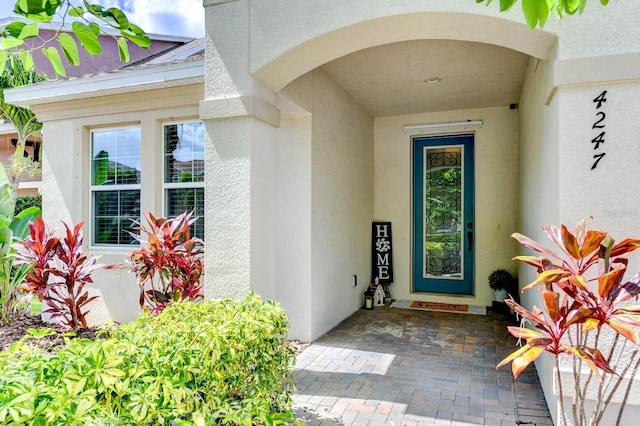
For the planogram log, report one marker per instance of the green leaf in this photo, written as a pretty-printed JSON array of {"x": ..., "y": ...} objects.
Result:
[
  {"x": 136, "y": 35},
  {"x": 76, "y": 12},
  {"x": 94, "y": 9},
  {"x": 87, "y": 37},
  {"x": 123, "y": 49},
  {"x": 70, "y": 48},
  {"x": 95, "y": 28},
  {"x": 571, "y": 6},
  {"x": 13, "y": 29},
  {"x": 6, "y": 202},
  {"x": 10, "y": 43},
  {"x": 116, "y": 18},
  {"x": 6, "y": 239},
  {"x": 27, "y": 59},
  {"x": 506, "y": 5},
  {"x": 29, "y": 31},
  {"x": 3, "y": 58},
  {"x": 20, "y": 223},
  {"x": 536, "y": 11},
  {"x": 38, "y": 10},
  {"x": 54, "y": 58}
]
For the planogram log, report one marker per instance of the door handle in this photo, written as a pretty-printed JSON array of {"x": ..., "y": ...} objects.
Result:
[{"x": 470, "y": 235}]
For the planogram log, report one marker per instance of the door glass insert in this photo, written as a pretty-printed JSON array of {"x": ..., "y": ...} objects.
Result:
[{"x": 443, "y": 207}]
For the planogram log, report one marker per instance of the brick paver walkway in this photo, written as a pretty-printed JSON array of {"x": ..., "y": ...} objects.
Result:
[{"x": 404, "y": 367}]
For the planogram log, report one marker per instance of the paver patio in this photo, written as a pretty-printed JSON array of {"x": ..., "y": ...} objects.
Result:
[{"x": 397, "y": 367}]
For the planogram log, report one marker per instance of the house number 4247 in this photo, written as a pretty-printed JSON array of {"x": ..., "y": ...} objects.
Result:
[{"x": 598, "y": 126}]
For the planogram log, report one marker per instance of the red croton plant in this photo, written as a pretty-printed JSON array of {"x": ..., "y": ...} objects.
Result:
[
  {"x": 60, "y": 272},
  {"x": 584, "y": 297},
  {"x": 168, "y": 265}
]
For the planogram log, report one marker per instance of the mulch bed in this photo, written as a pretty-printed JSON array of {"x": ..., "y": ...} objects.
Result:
[{"x": 14, "y": 330}]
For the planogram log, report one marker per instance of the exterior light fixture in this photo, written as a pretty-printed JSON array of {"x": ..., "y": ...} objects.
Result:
[
  {"x": 368, "y": 299},
  {"x": 458, "y": 125}
]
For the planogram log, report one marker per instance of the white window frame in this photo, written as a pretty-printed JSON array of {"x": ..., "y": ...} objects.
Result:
[{"x": 94, "y": 189}]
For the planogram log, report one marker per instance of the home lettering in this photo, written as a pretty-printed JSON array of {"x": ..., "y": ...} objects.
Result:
[{"x": 381, "y": 250}]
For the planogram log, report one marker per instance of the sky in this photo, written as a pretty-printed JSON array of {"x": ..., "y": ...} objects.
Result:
[{"x": 173, "y": 17}]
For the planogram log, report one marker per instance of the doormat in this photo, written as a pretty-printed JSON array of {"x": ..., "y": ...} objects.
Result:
[{"x": 441, "y": 307}]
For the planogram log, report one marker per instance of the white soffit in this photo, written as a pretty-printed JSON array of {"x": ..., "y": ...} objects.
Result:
[{"x": 117, "y": 82}]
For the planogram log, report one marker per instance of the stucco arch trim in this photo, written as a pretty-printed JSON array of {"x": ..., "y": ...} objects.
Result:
[{"x": 416, "y": 26}]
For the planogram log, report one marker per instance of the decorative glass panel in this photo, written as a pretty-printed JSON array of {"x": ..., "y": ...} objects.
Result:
[{"x": 443, "y": 211}]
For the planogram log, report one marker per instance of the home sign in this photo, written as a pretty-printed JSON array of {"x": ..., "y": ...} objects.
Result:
[{"x": 381, "y": 252}]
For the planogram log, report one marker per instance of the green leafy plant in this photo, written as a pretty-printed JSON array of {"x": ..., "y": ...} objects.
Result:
[
  {"x": 223, "y": 362},
  {"x": 168, "y": 266},
  {"x": 15, "y": 73},
  {"x": 501, "y": 279},
  {"x": 536, "y": 12},
  {"x": 86, "y": 21},
  {"x": 584, "y": 298},
  {"x": 59, "y": 272},
  {"x": 11, "y": 227},
  {"x": 25, "y": 201}
]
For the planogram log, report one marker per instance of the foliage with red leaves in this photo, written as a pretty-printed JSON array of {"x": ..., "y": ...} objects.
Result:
[
  {"x": 582, "y": 290},
  {"x": 60, "y": 272},
  {"x": 169, "y": 263}
]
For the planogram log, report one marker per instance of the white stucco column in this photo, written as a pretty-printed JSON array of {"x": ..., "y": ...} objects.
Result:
[
  {"x": 240, "y": 124},
  {"x": 579, "y": 154}
]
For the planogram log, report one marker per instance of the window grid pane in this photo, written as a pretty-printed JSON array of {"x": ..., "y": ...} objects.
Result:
[
  {"x": 115, "y": 157},
  {"x": 115, "y": 180},
  {"x": 114, "y": 214},
  {"x": 187, "y": 199},
  {"x": 184, "y": 152},
  {"x": 184, "y": 172}
]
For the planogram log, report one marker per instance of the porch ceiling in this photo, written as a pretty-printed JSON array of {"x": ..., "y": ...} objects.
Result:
[{"x": 390, "y": 79}]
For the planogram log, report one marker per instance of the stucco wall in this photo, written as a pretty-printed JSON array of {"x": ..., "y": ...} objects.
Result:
[
  {"x": 293, "y": 223},
  {"x": 496, "y": 195},
  {"x": 557, "y": 114},
  {"x": 281, "y": 25},
  {"x": 341, "y": 197},
  {"x": 607, "y": 192},
  {"x": 601, "y": 30}
]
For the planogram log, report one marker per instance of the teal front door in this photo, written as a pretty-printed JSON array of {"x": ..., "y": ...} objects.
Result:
[{"x": 443, "y": 223}]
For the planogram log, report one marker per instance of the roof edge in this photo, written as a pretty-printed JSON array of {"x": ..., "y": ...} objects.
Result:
[{"x": 88, "y": 87}]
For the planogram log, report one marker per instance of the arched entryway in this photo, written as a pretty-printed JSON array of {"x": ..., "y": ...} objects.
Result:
[{"x": 353, "y": 90}]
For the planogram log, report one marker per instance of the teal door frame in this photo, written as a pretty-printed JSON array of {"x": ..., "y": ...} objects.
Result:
[{"x": 451, "y": 244}]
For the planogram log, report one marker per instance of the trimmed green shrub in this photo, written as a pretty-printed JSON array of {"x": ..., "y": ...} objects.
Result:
[
  {"x": 26, "y": 201},
  {"x": 220, "y": 362}
]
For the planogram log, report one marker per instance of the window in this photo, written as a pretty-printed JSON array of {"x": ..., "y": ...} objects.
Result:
[
  {"x": 184, "y": 172},
  {"x": 115, "y": 185}
]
